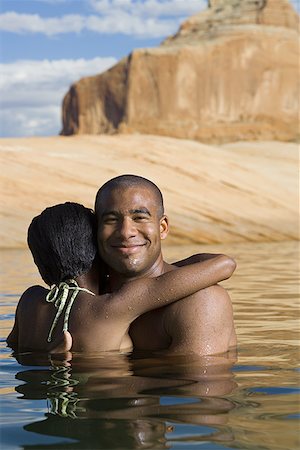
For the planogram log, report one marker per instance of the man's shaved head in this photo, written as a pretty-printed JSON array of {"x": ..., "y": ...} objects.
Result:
[{"x": 128, "y": 181}]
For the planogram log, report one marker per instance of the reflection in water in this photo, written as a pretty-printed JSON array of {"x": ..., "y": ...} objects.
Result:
[
  {"x": 112, "y": 401},
  {"x": 96, "y": 398}
]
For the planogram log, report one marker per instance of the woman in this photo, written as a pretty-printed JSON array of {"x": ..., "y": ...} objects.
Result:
[{"x": 62, "y": 240}]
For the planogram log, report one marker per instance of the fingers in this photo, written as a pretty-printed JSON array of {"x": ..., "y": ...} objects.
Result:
[{"x": 62, "y": 344}]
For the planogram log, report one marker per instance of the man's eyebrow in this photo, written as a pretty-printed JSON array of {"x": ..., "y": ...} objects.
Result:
[
  {"x": 140, "y": 211},
  {"x": 131, "y": 211}
]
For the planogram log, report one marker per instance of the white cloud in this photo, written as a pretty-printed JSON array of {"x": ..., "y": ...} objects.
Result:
[
  {"x": 148, "y": 18},
  {"x": 33, "y": 23},
  {"x": 32, "y": 93},
  {"x": 156, "y": 7},
  {"x": 122, "y": 22},
  {"x": 21, "y": 121},
  {"x": 152, "y": 8},
  {"x": 151, "y": 18},
  {"x": 116, "y": 22}
]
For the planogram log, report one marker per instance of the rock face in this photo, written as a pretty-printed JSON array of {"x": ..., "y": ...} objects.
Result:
[
  {"x": 238, "y": 192},
  {"x": 96, "y": 105},
  {"x": 230, "y": 73},
  {"x": 224, "y": 15}
]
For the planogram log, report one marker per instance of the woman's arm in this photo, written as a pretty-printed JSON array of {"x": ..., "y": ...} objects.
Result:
[
  {"x": 139, "y": 296},
  {"x": 198, "y": 257},
  {"x": 13, "y": 337},
  {"x": 24, "y": 307}
]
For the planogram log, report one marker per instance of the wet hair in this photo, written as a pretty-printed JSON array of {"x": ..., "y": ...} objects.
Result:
[
  {"x": 127, "y": 181},
  {"x": 63, "y": 241}
]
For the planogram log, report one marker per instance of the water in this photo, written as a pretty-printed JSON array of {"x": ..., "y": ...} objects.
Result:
[{"x": 245, "y": 401}]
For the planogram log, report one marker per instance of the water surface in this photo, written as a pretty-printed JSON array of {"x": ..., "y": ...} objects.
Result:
[{"x": 111, "y": 401}]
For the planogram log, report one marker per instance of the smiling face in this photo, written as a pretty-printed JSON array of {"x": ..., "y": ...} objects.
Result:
[{"x": 130, "y": 230}]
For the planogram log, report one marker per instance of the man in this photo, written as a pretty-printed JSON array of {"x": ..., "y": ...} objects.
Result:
[{"x": 131, "y": 225}]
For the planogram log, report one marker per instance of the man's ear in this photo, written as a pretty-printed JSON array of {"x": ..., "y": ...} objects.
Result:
[{"x": 164, "y": 227}]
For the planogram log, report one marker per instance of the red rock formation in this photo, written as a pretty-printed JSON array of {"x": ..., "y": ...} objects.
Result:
[
  {"x": 96, "y": 105},
  {"x": 223, "y": 16},
  {"x": 230, "y": 73}
]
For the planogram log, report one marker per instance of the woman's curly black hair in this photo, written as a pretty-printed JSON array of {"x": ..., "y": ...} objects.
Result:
[{"x": 63, "y": 241}]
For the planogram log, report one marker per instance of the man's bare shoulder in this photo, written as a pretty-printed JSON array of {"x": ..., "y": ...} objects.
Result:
[
  {"x": 201, "y": 323},
  {"x": 202, "y": 301}
]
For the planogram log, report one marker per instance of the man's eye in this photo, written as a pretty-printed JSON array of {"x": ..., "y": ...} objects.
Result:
[
  {"x": 109, "y": 220},
  {"x": 140, "y": 218}
]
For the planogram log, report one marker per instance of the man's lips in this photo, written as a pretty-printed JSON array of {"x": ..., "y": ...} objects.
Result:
[{"x": 128, "y": 249}]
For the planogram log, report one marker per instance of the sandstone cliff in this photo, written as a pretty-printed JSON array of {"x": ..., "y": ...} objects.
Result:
[
  {"x": 230, "y": 73},
  {"x": 242, "y": 192}
]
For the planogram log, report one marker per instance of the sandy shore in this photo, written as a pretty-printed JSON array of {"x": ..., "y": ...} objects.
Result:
[{"x": 245, "y": 191}]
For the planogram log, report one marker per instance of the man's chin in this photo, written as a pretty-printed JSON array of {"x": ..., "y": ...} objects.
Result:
[{"x": 130, "y": 267}]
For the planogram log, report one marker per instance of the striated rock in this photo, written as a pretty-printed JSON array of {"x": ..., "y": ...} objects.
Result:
[
  {"x": 230, "y": 73},
  {"x": 225, "y": 17},
  {"x": 238, "y": 192}
]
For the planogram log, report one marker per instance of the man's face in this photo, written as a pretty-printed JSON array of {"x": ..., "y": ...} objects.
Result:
[{"x": 130, "y": 230}]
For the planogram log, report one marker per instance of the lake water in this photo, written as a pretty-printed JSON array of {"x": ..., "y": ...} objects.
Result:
[{"x": 110, "y": 401}]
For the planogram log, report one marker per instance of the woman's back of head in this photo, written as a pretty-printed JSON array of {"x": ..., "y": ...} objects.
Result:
[{"x": 63, "y": 241}]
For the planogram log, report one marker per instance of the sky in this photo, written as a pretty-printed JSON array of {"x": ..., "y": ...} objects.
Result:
[{"x": 46, "y": 45}]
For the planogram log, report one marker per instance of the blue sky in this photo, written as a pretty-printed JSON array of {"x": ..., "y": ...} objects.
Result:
[{"x": 46, "y": 45}]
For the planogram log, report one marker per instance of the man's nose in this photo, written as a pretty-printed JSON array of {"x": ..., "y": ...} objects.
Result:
[{"x": 127, "y": 228}]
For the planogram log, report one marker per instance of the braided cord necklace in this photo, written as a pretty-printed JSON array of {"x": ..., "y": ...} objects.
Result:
[{"x": 58, "y": 295}]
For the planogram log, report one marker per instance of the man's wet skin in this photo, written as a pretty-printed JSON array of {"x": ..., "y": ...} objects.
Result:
[{"x": 131, "y": 225}]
